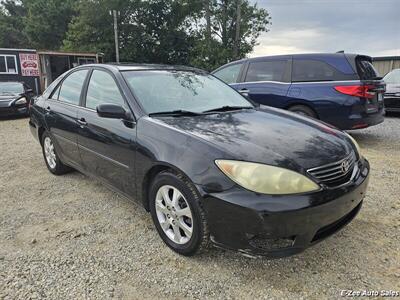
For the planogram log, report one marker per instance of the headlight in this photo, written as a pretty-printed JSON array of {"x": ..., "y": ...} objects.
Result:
[
  {"x": 21, "y": 101},
  {"x": 266, "y": 179},
  {"x": 355, "y": 143}
]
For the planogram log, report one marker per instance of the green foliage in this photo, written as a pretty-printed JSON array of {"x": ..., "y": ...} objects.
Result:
[
  {"x": 47, "y": 21},
  {"x": 153, "y": 31},
  {"x": 12, "y": 33}
]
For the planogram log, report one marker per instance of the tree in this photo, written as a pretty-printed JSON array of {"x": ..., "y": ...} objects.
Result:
[
  {"x": 235, "y": 31},
  {"x": 202, "y": 33},
  {"x": 12, "y": 33},
  {"x": 156, "y": 31},
  {"x": 47, "y": 21}
]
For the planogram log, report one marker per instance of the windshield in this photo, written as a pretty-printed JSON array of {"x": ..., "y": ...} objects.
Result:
[
  {"x": 11, "y": 88},
  {"x": 163, "y": 90},
  {"x": 393, "y": 77}
]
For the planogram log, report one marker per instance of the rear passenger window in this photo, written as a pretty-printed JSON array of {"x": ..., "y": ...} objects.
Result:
[
  {"x": 71, "y": 87},
  {"x": 314, "y": 70},
  {"x": 266, "y": 71},
  {"x": 102, "y": 89},
  {"x": 229, "y": 74}
]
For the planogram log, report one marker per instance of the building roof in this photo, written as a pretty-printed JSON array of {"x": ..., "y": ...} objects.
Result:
[
  {"x": 382, "y": 58},
  {"x": 14, "y": 49},
  {"x": 67, "y": 53}
]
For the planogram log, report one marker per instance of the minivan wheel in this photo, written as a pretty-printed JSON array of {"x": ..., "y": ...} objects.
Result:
[
  {"x": 177, "y": 214},
  {"x": 51, "y": 158},
  {"x": 303, "y": 110}
]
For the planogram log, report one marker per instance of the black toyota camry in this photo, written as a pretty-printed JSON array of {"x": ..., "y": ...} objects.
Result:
[{"x": 210, "y": 166}]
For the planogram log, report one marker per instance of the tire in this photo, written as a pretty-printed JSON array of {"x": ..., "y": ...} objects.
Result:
[
  {"x": 54, "y": 164},
  {"x": 303, "y": 110},
  {"x": 196, "y": 236}
]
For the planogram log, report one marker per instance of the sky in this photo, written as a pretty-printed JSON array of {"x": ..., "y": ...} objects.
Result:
[{"x": 370, "y": 27}]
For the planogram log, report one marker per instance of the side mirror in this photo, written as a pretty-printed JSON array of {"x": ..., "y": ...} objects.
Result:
[{"x": 113, "y": 111}]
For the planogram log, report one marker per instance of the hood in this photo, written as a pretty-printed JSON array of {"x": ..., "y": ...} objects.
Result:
[
  {"x": 269, "y": 136},
  {"x": 392, "y": 88}
]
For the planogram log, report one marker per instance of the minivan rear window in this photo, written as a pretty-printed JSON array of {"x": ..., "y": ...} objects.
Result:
[{"x": 366, "y": 70}]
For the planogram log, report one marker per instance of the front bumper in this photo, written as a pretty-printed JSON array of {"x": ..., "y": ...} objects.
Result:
[
  {"x": 278, "y": 226},
  {"x": 14, "y": 111}
]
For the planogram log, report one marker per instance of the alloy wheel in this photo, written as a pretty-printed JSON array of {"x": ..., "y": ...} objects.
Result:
[
  {"x": 174, "y": 214},
  {"x": 49, "y": 152}
]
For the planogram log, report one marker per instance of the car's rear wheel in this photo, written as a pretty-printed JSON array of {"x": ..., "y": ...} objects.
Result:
[
  {"x": 303, "y": 110},
  {"x": 177, "y": 214},
  {"x": 51, "y": 158}
]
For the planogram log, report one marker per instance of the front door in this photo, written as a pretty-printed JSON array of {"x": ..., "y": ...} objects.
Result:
[{"x": 106, "y": 145}]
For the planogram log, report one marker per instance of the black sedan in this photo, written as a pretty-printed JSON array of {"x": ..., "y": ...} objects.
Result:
[
  {"x": 205, "y": 162},
  {"x": 14, "y": 98}
]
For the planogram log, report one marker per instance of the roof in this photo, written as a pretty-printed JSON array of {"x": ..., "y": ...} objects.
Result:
[
  {"x": 138, "y": 67},
  {"x": 66, "y": 53},
  {"x": 381, "y": 58},
  {"x": 20, "y": 50}
]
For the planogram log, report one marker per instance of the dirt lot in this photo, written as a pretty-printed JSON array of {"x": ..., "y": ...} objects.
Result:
[{"x": 69, "y": 237}]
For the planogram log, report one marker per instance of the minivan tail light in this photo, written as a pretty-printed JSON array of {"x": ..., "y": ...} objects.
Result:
[{"x": 356, "y": 90}]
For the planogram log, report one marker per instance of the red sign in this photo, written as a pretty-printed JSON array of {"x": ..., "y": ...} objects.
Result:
[{"x": 29, "y": 64}]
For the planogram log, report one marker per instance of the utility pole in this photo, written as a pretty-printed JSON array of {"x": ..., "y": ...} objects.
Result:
[
  {"x": 114, "y": 12},
  {"x": 237, "y": 35},
  {"x": 208, "y": 21}
]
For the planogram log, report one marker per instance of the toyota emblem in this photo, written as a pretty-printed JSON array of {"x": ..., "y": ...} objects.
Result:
[{"x": 345, "y": 166}]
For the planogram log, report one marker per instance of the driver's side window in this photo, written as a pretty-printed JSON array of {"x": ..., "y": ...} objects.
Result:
[{"x": 102, "y": 89}]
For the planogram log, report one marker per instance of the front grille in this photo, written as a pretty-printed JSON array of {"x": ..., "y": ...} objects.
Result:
[
  {"x": 336, "y": 173},
  {"x": 392, "y": 102}
]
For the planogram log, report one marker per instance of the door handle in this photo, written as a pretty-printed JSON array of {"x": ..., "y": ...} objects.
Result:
[
  {"x": 48, "y": 109},
  {"x": 82, "y": 122},
  {"x": 244, "y": 92}
]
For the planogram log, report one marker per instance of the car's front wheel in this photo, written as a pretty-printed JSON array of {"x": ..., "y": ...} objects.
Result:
[
  {"x": 51, "y": 158},
  {"x": 177, "y": 214}
]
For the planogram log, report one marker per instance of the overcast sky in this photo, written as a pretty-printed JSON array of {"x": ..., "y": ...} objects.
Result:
[{"x": 356, "y": 26}]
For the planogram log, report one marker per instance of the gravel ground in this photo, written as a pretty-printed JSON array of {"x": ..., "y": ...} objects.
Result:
[{"x": 69, "y": 237}]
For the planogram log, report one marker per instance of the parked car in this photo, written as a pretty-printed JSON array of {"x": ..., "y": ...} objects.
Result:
[
  {"x": 206, "y": 163},
  {"x": 341, "y": 89},
  {"x": 14, "y": 98},
  {"x": 392, "y": 94}
]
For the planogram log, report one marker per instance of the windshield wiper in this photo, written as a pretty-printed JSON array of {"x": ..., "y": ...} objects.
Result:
[
  {"x": 227, "y": 108},
  {"x": 175, "y": 113}
]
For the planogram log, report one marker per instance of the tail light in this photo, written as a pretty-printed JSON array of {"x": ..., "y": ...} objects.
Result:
[{"x": 363, "y": 91}]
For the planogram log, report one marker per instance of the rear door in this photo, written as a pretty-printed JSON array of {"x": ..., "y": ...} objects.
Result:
[
  {"x": 61, "y": 115},
  {"x": 106, "y": 145},
  {"x": 267, "y": 81}
]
